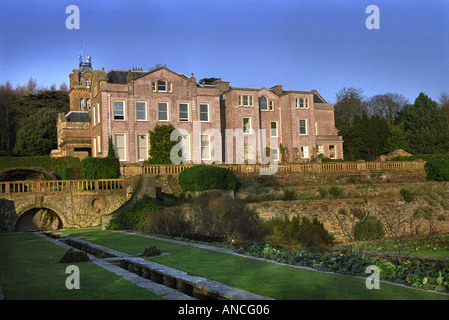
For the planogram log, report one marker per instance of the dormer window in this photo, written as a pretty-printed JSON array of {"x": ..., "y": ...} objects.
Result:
[{"x": 162, "y": 86}]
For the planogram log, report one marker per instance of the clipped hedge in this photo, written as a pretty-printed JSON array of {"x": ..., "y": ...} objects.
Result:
[
  {"x": 204, "y": 177},
  {"x": 437, "y": 170},
  {"x": 45, "y": 162},
  {"x": 63, "y": 167},
  {"x": 100, "y": 168}
]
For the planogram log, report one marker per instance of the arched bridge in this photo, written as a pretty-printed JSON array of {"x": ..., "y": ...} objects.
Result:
[{"x": 51, "y": 204}]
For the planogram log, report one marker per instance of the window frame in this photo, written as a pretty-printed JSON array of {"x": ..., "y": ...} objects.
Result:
[
  {"x": 188, "y": 112},
  {"x": 138, "y": 147},
  {"x": 162, "y": 83},
  {"x": 305, "y": 103},
  {"x": 271, "y": 129},
  {"x": 267, "y": 103},
  {"x": 167, "y": 111},
  {"x": 116, "y": 147},
  {"x": 208, "y": 146},
  {"x": 305, "y": 149},
  {"x": 250, "y": 125},
  {"x": 334, "y": 152},
  {"x": 250, "y": 100},
  {"x": 183, "y": 139},
  {"x": 145, "y": 112},
  {"x": 306, "y": 127},
  {"x": 113, "y": 110},
  {"x": 200, "y": 112}
]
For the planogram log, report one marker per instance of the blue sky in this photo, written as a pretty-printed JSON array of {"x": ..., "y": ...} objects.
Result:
[{"x": 303, "y": 45}]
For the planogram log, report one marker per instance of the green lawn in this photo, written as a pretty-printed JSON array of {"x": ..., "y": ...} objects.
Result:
[
  {"x": 264, "y": 278},
  {"x": 28, "y": 272}
]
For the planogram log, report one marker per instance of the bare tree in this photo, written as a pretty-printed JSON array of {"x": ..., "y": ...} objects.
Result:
[
  {"x": 387, "y": 105},
  {"x": 350, "y": 103}
]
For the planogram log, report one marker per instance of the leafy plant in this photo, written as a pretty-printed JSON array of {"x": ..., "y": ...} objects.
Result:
[{"x": 204, "y": 177}]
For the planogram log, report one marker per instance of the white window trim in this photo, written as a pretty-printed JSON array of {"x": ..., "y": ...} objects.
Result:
[
  {"x": 188, "y": 111},
  {"x": 209, "y": 146},
  {"x": 168, "y": 111},
  {"x": 94, "y": 113},
  {"x": 145, "y": 111},
  {"x": 208, "y": 111},
  {"x": 137, "y": 145},
  {"x": 168, "y": 86},
  {"x": 305, "y": 148},
  {"x": 250, "y": 125},
  {"x": 277, "y": 129},
  {"x": 124, "y": 146},
  {"x": 99, "y": 143},
  {"x": 124, "y": 110},
  {"x": 307, "y": 129},
  {"x": 98, "y": 112},
  {"x": 188, "y": 156},
  {"x": 250, "y": 100},
  {"x": 298, "y": 104}
]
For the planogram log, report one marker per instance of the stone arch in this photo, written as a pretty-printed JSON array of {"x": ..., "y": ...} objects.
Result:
[
  {"x": 21, "y": 174},
  {"x": 38, "y": 217}
]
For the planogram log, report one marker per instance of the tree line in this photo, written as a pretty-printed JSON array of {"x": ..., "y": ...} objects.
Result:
[
  {"x": 28, "y": 118},
  {"x": 386, "y": 122}
]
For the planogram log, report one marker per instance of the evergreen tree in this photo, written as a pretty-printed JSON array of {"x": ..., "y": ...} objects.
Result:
[
  {"x": 111, "y": 149},
  {"x": 398, "y": 139},
  {"x": 365, "y": 138},
  {"x": 427, "y": 126}
]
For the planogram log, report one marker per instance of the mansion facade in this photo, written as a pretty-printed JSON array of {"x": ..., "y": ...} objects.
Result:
[{"x": 127, "y": 104}]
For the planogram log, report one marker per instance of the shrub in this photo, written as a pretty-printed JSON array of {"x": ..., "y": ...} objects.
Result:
[
  {"x": 407, "y": 194},
  {"x": 170, "y": 221},
  {"x": 225, "y": 217},
  {"x": 322, "y": 191},
  {"x": 300, "y": 232},
  {"x": 151, "y": 252},
  {"x": 72, "y": 256},
  {"x": 132, "y": 217},
  {"x": 290, "y": 194},
  {"x": 336, "y": 191},
  {"x": 203, "y": 177},
  {"x": 437, "y": 170},
  {"x": 369, "y": 229},
  {"x": 100, "y": 168}
]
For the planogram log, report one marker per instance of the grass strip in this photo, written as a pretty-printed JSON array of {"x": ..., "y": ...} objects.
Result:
[
  {"x": 260, "y": 277},
  {"x": 28, "y": 272}
]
